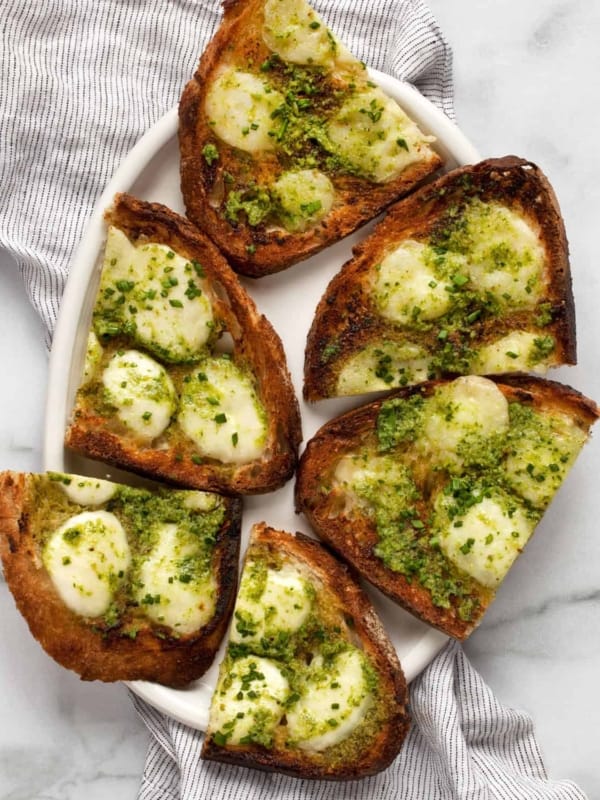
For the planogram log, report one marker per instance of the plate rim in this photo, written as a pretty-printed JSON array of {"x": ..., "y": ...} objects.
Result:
[{"x": 58, "y": 402}]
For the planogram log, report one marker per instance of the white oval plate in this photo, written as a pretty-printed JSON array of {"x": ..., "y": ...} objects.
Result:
[{"x": 288, "y": 299}]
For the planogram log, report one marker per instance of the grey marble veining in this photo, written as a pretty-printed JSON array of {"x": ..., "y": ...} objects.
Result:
[{"x": 526, "y": 78}]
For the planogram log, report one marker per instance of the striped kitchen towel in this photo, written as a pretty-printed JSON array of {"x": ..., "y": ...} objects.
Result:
[
  {"x": 463, "y": 745},
  {"x": 80, "y": 82}
]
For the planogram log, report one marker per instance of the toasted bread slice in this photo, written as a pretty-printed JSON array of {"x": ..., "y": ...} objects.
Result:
[
  {"x": 184, "y": 379},
  {"x": 468, "y": 275},
  {"x": 432, "y": 493},
  {"x": 310, "y": 684},
  {"x": 119, "y": 583},
  {"x": 286, "y": 144}
]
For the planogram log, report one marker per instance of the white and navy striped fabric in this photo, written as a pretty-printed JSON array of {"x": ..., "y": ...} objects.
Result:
[
  {"x": 463, "y": 745},
  {"x": 80, "y": 82}
]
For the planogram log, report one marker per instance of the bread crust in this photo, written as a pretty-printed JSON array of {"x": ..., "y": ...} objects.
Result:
[
  {"x": 108, "y": 655},
  {"x": 347, "y": 314},
  {"x": 354, "y": 539},
  {"x": 260, "y": 251},
  {"x": 256, "y": 344},
  {"x": 343, "y": 583}
]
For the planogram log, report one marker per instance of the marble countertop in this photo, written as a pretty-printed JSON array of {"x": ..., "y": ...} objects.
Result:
[{"x": 523, "y": 74}]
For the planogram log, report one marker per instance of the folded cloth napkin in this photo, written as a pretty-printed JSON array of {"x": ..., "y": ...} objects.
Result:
[{"x": 80, "y": 81}]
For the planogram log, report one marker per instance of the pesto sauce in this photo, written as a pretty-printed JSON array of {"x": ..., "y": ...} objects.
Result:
[
  {"x": 399, "y": 420},
  {"x": 406, "y": 545},
  {"x": 455, "y": 242},
  {"x": 120, "y": 301},
  {"x": 300, "y": 137},
  {"x": 323, "y": 635},
  {"x": 407, "y": 542},
  {"x": 141, "y": 513}
]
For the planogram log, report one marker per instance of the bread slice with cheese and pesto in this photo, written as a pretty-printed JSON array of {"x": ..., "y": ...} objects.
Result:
[
  {"x": 287, "y": 145},
  {"x": 184, "y": 379},
  {"x": 120, "y": 583},
  {"x": 310, "y": 684},
  {"x": 433, "y": 492},
  {"x": 468, "y": 275}
]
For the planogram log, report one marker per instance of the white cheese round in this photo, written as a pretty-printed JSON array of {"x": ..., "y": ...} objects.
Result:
[
  {"x": 141, "y": 391},
  {"x": 283, "y": 605},
  {"x": 201, "y": 501},
  {"x": 334, "y": 702},
  {"x": 374, "y": 134},
  {"x": 167, "y": 592},
  {"x": 252, "y": 693},
  {"x": 511, "y": 353},
  {"x": 93, "y": 356},
  {"x": 166, "y": 304},
  {"x": 221, "y": 413},
  {"x": 468, "y": 406},
  {"x": 380, "y": 367},
  {"x": 305, "y": 198},
  {"x": 87, "y": 491},
  {"x": 505, "y": 255},
  {"x": 87, "y": 558},
  {"x": 406, "y": 288},
  {"x": 485, "y": 541},
  {"x": 239, "y": 106},
  {"x": 294, "y": 31},
  {"x": 540, "y": 462}
]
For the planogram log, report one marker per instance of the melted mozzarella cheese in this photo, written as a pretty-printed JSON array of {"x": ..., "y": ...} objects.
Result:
[
  {"x": 167, "y": 592},
  {"x": 86, "y": 559},
  {"x": 305, "y": 197},
  {"x": 505, "y": 255},
  {"x": 294, "y": 31},
  {"x": 333, "y": 703},
  {"x": 539, "y": 465},
  {"x": 239, "y": 106},
  {"x": 511, "y": 353},
  {"x": 487, "y": 541},
  {"x": 374, "y": 134},
  {"x": 221, "y": 413},
  {"x": 201, "y": 501},
  {"x": 93, "y": 356},
  {"x": 166, "y": 306},
  {"x": 406, "y": 288},
  {"x": 283, "y": 605},
  {"x": 384, "y": 366},
  {"x": 468, "y": 406},
  {"x": 358, "y": 471},
  {"x": 252, "y": 693},
  {"x": 87, "y": 491},
  {"x": 141, "y": 391}
]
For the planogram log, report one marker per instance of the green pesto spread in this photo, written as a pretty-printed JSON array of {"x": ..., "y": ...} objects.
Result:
[
  {"x": 481, "y": 263},
  {"x": 155, "y": 298},
  {"x": 511, "y": 472},
  {"x": 142, "y": 514},
  {"x": 336, "y": 123},
  {"x": 304, "y": 657}
]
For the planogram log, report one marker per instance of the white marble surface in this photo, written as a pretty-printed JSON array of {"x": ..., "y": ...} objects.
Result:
[{"x": 525, "y": 83}]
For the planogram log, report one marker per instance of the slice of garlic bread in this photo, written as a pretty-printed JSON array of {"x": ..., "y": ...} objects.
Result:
[
  {"x": 286, "y": 143},
  {"x": 310, "y": 684},
  {"x": 468, "y": 275},
  {"x": 184, "y": 380},
  {"x": 120, "y": 583},
  {"x": 432, "y": 493}
]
